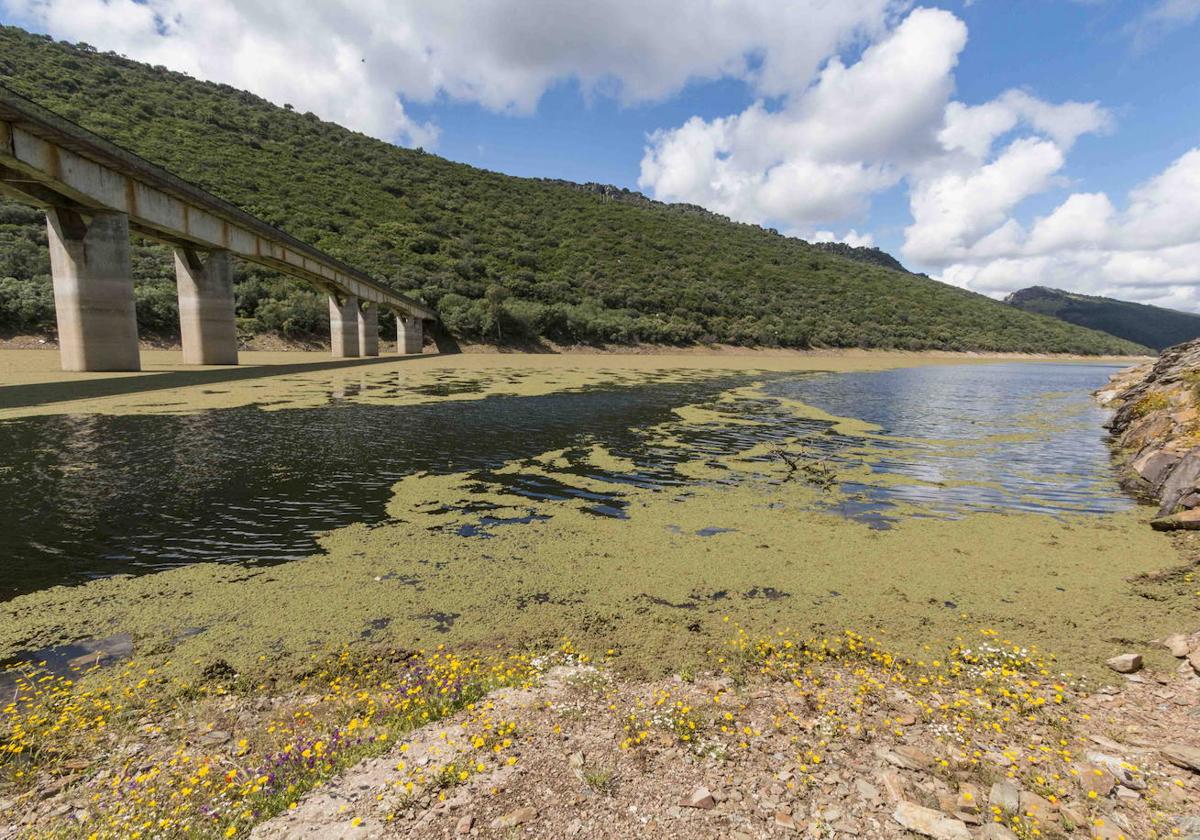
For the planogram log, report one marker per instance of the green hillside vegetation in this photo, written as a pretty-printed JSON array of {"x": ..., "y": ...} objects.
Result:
[
  {"x": 498, "y": 256},
  {"x": 1152, "y": 326}
]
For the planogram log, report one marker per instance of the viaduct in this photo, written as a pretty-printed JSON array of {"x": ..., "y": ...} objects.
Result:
[{"x": 95, "y": 194}]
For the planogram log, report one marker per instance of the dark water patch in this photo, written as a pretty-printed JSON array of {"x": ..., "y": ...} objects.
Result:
[
  {"x": 663, "y": 602},
  {"x": 713, "y": 531},
  {"x": 376, "y": 625},
  {"x": 95, "y": 495},
  {"x": 65, "y": 660},
  {"x": 442, "y": 621},
  {"x": 487, "y": 523},
  {"x": 447, "y": 389},
  {"x": 769, "y": 593}
]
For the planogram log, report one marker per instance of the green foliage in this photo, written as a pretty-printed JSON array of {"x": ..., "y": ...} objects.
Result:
[
  {"x": 568, "y": 263},
  {"x": 1153, "y": 326}
]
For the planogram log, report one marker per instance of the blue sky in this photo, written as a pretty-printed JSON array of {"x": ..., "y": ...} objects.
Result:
[{"x": 994, "y": 143}]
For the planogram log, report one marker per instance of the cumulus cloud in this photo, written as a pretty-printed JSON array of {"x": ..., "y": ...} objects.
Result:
[
  {"x": 830, "y": 146},
  {"x": 850, "y": 237},
  {"x": 357, "y": 63},
  {"x": 1149, "y": 251}
]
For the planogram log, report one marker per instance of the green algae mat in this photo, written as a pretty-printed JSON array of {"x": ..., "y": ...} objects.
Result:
[{"x": 750, "y": 504}]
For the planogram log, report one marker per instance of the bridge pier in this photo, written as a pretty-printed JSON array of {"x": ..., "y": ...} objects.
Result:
[
  {"x": 368, "y": 329},
  {"x": 206, "y": 316},
  {"x": 343, "y": 326},
  {"x": 93, "y": 290},
  {"x": 410, "y": 334}
]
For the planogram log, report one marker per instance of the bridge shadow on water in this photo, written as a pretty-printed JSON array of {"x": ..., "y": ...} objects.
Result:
[{"x": 44, "y": 393}]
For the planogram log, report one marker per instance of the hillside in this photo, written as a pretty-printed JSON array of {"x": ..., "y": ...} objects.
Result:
[
  {"x": 497, "y": 255},
  {"x": 1152, "y": 326}
]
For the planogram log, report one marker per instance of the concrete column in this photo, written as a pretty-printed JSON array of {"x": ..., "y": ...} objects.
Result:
[
  {"x": 368, "y": 329},
  {"x": 93, "y": 290},
  {"x": 343, "y": 325},
  {"x": 206, "y": 320},
  {"x": 410, "y": 334}
]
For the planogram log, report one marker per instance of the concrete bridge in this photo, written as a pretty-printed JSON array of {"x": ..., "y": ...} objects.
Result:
[{"x": 95, "y": 194}]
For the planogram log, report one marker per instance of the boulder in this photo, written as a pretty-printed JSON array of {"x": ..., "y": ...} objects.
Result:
[
  {"x": 1181, "y": 755},
  {"x": 1126, "y": 663},
  {"x": 1187, "y": 520},
  {"x": 514, "y": 818},
  {"x": 701, "y": 798},
  {"x": 1180, "y": 644},
  {"x": 1183, "y": 481},
  {"x": 1154, "y": 467},
  {"x": 930, "y": 823},
  {"x": 995, "y": 831},
  {"x": 1006, "y": 796}
]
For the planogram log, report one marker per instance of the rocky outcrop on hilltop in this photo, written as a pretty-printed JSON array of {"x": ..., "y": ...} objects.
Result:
[{"x": 1157, "y": 432}]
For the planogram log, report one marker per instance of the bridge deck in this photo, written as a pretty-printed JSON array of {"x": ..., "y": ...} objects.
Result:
[{"x": 49, "y": 161}]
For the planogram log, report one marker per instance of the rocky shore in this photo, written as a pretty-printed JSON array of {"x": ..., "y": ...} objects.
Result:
[{"x": 1156, "y": 430}]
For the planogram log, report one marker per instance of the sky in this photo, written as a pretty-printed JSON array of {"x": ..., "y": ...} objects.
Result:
[{"x": 993, "y": 144}]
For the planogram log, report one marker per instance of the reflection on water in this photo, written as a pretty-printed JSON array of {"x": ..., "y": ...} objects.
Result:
[
  {"x": 1018, "y": 436},
  {"x": 94, "y": 495}
]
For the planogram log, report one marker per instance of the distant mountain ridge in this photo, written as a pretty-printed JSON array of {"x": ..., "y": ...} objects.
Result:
[{"x": 1153, "y": 326}]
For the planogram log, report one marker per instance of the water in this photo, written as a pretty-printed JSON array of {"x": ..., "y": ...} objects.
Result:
[
  {"x": 93, "y": 495},
  {"x": 1019, "y": 436}
]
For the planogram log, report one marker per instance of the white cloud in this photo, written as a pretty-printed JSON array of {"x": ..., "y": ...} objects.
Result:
[
  {"x": 974, "y": 128},
  {"x": 349, "y": 62},
  {"x": 954, "y": 210},
  {"x": 1149, "y": 252},
  {"x": 1160, "y": 19},
  {"x": 850, "y": 237},
  {"x": 831, "y": 145}
]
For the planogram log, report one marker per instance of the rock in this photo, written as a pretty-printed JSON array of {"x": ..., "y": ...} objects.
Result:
[
  {"x": 1193, "y": 659},
  {"x": 574, "y": 827},
  {"x": 1073, "y": 814},
  {"x": 1127, "y": 794},
  {"x": 214, "y": 737},
  {"x": 1179, "y": 644},
  {"x": 1033, "y": 805},
  {"x": 865, "y": 789},
  {"x": 908, "y": 758},
  {"x": 1006, "y": 796},
  {"x": 1182, "y": 481},
  {"x": 520, "y": 816},
  {"x": 1126, "y": 663},
  {"x": 701, "y": 798},
  {"x": 784, "y": 820},
  {"x": 894, "y": 784},
  {"x": 1155, "y": 466},
  {"x": 995, "y": 831},
  {"x": 930, "y": 823},
  {"x": 1183, "y": 756},
  {"x": 464, "y": 824},
  {"x": 1095, "y": 779},
  {"x": 968, "y": 799},
  {"x": 1104, "y": 830},
  {"x": 1188, "y": 520},
  {"x": 1119, "y": 769}
]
